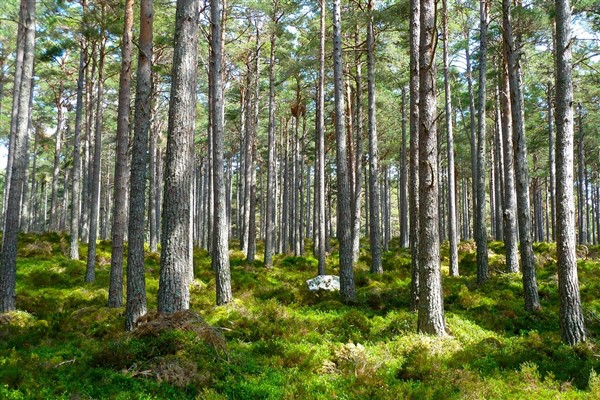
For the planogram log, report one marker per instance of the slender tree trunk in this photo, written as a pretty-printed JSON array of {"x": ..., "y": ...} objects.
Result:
[
  {"x": 571, "y": 316},
  {"x": 403, "y": 204},
  {"x": 415, "y": 29},
  {"x": 173, "y": 289},
  {"x": 431, "y": 306},
  {"x": 510, "y": 207},
  {"x": 8, "y": 269},
  {"x": 344, "y": 233},
  {"x": 90, "y": 274},
  {"x": 301, "y": 217},
  {"x": 76, "y": 174},
  {"x": 452, "y": 237},
  {"x": 60, "y": 126},
  {"x": 220, "y": 240},
  {"x": 498, "y": 168},
  {"x": 115, "y": 291},
  {"x": 23, "y": 224},
  {"x": 481, "y": 231},
  {"x": 472, "y": 131},
  {"x": 248, "y": 162},
  {"x": 16, "y": 98},
  {"x": 374, "y": 193},
  {"x": 136, "y": 283},
  {"x": 104, "y": 210},
  {"x": 551, "y": 161},
  {"x": 582, "y": 236},
  {"x": 153, "y": 162},
  {"x": 32, "y": 193},
  {"x": 320, "y": 133},
  {"x": 532, "y": 301},
  {"x": 86, "y": 166},
  {"x": 62, "y": 226},
  {"x": 270, "y": 235},
  {"x": 358, "y": 124}
]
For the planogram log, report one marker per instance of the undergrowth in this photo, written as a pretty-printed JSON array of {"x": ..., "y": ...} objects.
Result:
[{"x": 277, "y": 340}]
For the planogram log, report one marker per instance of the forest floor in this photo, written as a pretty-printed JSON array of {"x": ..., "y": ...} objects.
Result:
[{"x": 280, "y": 341}]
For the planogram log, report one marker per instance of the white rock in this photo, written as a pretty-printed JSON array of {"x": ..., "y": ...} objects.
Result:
[{"x": 324, "y": 282}]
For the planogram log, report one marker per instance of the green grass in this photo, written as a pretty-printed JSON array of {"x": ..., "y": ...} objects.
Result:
[{"x": 280, "y": 341}]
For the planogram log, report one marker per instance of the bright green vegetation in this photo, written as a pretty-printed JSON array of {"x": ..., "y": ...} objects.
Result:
[{"x": 279, "y": 341}]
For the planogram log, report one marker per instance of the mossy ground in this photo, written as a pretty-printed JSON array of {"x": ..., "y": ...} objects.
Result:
[{"x": 283, "y": 342}]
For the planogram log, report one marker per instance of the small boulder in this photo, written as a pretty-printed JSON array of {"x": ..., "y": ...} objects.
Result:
[{"x": 324, "y": 282}]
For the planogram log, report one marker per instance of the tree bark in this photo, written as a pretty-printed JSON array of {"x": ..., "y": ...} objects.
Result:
[
  {"x": 551, "y": 162},
  {"x": 472, "y": 131},
  {"x": 90, "y": 274},
  {"x": 532, "y": 301},
  {"x": 8, "y": 269},
  {"x": 510, "y": 207},
  {"x": 76, "y": 172},
  {"x": 481, "y": 231},
  {"x": 60, "y": 126},
  {"x": 220, "y": 239},
  {"x": 115, "y": 291},
  {"x": 320, "y": 133},
  {"x": 374, "y": 191},
  {"x": 173, "y": 289},
  {"x": 415, "y": 29},
  {"x": 431, "y": 304},
  {"x": 452, "y": 237},
  {"x": 402, "y": 200},
  {"x": 358, "y": 124},
  {"x": 344, "y": 234},
  {"x": 571, "y": 316},
  {"x": 270, "y": 235},
  {"x": 18, "y": 63},
  {"x": 136, "y": 283}
]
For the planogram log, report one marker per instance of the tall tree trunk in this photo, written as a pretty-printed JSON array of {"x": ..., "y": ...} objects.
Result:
[
  {"x": 582, "y": 236},
  {"x": 90, "y": 274},
  {"x": 89, "y": 120},
  {"x": 248, "y": 161},
  {"x": 481, "y": 231},
  {"x": 532, "y": 301},
  {"x": 153, "y": 200},
  {"x": 60, "y": 126},
  {"x": 498, "y": 169},
  {"x": 220, "y": 239},
  {"x": 344, "y": 233},
  {"x": 76, "y": 172},
  {"x": 16, "y": 98},
  {"x": 136, "y": 283},
  {"x": 23, "y": 224},
  {"x": 320, "y": 149},
  {"x": 8, "y": 269},
  {"x": 431, "y": 306},
  {"x": 571, "y": 316},
  {"x": 472, "y": 131},
  {"x": 358, "y": 124},
  {"x": 415, "y": 29},
  {"x": 173, "y": 289},
  {"x": 115, "y": 291},
  {"x": 270, "y": 235},
  {"x": 510, "y": 207},
  {"x": 551, "y": 161},
  {"x": 402, "y": 201},
  {"x": 452, "y": 236},
  {"x": 301, "y": 153},
  {"x": 374, "y": 193}
]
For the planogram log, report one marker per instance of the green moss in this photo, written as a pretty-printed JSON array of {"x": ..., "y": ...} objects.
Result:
[{"x": 283, "y": 341}]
